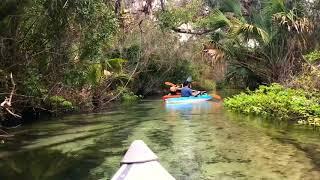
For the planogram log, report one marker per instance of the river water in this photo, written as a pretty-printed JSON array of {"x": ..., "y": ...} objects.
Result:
[{"x": 198, "y": 141}]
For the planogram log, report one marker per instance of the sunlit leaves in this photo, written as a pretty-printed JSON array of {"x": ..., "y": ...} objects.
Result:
[
  {"x": 313, "y": 56},
  {"x": 278, "y": 102}
]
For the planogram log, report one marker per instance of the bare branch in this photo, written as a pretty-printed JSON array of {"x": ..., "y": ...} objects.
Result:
[
  {"x": 13, "y": 114},
  {"x": 6, "y": 104},
  {"x": 13, "y": 88},
  {"x": 195, "y": 32}
]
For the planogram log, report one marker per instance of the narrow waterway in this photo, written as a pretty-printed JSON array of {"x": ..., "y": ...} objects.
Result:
[{"x": 199, "y": 141}]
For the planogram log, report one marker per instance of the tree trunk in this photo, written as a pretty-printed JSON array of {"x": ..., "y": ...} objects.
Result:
[
  {"x": 117, "y": 7},
  {"x": 162, "y": 5}
]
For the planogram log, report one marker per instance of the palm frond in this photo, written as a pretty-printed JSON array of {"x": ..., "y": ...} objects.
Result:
[
  {"x": 233, "y": 6},
  {"x": 248, "y": 31},
  {"x": 271, "y": 7},
  {"x": 218, "y": 20}
]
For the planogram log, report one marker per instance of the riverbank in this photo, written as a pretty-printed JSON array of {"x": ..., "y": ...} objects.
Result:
[{"x": 278, "y": 102}]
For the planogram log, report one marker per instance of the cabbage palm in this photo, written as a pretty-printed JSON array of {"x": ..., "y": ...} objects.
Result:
[
  {"x": 236, "y": 27},
  {"x": 280, "y": 35}
]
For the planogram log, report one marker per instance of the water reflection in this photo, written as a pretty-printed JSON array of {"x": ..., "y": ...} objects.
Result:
[{"x": 187, "y": 110}]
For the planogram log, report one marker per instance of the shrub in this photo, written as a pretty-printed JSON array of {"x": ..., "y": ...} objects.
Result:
[
  {"x": 128, "y": 96},
  {"x": 60, "y": 102},
  {"x": 313, "y": 56},
  {"x": 277, "y": 102}
]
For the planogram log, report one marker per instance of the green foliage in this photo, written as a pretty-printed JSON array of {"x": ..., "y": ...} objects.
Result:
[
  {"x": 116, "y": 64},
  {"x": 158, "y": 56},
  {"x": 32, "y": 84},
  {"x": 167, "y": 20},
  {"x": 215, "y": 20},
  {"x": 61, "y": 102},
  {"x": 54, "y": 46},
  {"x": 76, "y": 76},
  {"x": 264, "y": 41},
  {"x": 95, "y": 74},
  {"x": 313, "y": 56},
  {"x": 127, "y": 96},
  {"x": 188, "y": 13},
  {"x": 233, "y": 6},
  {"x": 276, "y": 101}
]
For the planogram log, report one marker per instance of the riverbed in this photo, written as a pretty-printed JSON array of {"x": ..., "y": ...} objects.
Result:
[{"x": 194, "y": 141}]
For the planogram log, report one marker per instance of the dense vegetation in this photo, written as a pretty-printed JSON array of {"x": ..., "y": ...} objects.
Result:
[
  {"x": 263, "y": 42},
  {"x": 278, "y": 102},
  {"x": 60, "y": 55}
]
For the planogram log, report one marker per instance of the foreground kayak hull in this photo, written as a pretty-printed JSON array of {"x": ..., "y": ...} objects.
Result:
[
  {"x": 191, "y": 99},
  {"x": 140, "y": 163}
]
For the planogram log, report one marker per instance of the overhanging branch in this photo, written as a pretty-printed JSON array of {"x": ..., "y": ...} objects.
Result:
[{"x": 195, "y": 32}]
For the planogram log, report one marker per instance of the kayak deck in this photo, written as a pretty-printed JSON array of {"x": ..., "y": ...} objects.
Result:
[
  {"x": 142, "y": 171},
  {"x": 140, "y": 163}
]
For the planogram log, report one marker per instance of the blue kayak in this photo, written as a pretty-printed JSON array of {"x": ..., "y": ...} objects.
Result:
[{"x": 191, "y": 99}]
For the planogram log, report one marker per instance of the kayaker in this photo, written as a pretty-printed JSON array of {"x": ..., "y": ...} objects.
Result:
[
  {"x": 186, "y": 91},
  {"x": 173, "y": 90}
]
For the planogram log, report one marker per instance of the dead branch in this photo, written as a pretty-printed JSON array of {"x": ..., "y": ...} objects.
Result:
[
  {"x": 6, "y": 104},
  {"x": 5, "y": 135},
  {"x": 13, "y": 114},
  {"x": 194, "y": 32}
]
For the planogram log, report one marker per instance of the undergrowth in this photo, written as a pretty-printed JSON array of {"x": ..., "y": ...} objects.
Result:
[{"x": 278, "y": 102}]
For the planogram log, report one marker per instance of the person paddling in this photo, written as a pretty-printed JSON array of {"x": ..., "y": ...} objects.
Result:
[{"x": 186, "y": 91}]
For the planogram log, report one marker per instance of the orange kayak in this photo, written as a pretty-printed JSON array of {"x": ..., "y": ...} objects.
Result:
[{"x": 170, "y": 96}]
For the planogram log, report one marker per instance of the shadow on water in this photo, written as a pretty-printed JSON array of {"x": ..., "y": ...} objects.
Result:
[
  {"x": 81, "y": 147},
  {"x": 44, "y": 164}
]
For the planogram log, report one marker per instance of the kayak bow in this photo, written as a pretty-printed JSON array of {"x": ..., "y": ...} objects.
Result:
[{"x": 140, "y": 163}]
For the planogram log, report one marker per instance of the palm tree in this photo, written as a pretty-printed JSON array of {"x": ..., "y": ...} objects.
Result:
[{"x": 269, "y": 45}]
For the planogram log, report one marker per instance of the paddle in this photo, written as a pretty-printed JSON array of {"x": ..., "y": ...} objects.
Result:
[
  {"x": 169, "y": 83},
  {"x": 216, "y": 97}
]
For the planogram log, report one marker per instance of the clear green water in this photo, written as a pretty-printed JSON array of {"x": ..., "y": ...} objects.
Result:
[{"x": 200, "y": 141}]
